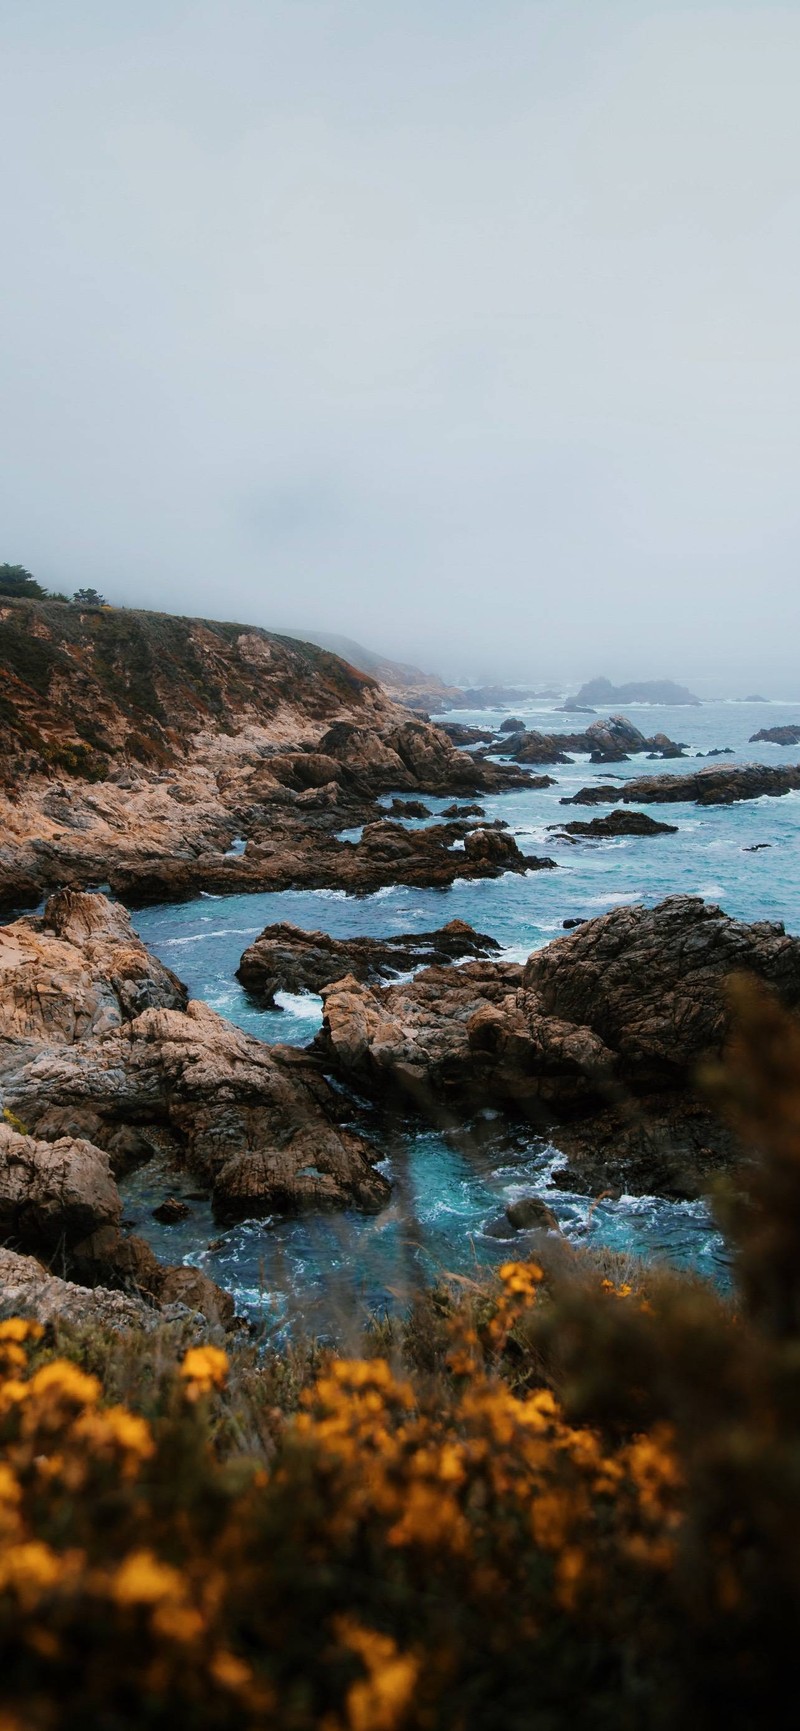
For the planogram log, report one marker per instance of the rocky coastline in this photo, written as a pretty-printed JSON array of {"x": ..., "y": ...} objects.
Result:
[{"x": 159, "y": 758}]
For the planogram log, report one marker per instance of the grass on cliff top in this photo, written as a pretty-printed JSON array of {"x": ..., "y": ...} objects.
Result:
[
  {"x": 69, "y": 674},
  {"x": 558, "y": 1498}
]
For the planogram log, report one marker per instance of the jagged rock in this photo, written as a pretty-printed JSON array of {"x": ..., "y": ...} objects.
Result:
[
  {"x": 512, "y": 724},
  {"x": 59, "y": 1201},
  {"x": 777, "y": 735},
  {"x": 53, "y": 1194},
  {"x": 456, "y": 810},
  {"x": 287, "y": 959},
  {"x": 28, "y": 1289},
  {"x": 256, "y": 1123},
  {"x": 76, "y": 971},
  {"x": 706, "y": 787},
  {"x": 650, "y": 981},
  {"x": 610, "y": 741},
  {"x": 626, "y": 1004},
  {"x": 617, "y": 823}
]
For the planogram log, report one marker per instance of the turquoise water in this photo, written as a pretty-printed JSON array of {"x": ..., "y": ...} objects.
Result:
[{"x": 447, "y": 1203}]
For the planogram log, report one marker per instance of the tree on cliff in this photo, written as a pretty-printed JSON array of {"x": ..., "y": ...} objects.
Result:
[
  {"x": 89, "y": 598},
  {"x": 15, "y": 580}
]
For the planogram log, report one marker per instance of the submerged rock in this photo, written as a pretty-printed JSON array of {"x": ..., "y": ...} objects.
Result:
[{"x": 287, "y": 959}]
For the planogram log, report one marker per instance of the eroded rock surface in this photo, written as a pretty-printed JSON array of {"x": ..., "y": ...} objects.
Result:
[
  {"x": 287, "y": 959},
  {"x": 621, "y": 1009},
  {"x": 260, "y": 1125}
]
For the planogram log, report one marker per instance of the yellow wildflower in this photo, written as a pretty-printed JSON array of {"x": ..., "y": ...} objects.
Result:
[
  {"x": 204, "y": 1368},
  {"x": 142, "y": 1579}
]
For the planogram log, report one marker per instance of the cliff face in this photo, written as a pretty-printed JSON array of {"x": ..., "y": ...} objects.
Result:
[{"x": 85, "y": 690}]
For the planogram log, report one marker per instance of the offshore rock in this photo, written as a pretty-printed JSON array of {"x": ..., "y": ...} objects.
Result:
[
  {"x": 287, "y": 959},
  {"x": 777, "y": 735},
  {"x": 707, "y": 787},
  {"x": 610, "y": 741},
  {"x": 616, "y": 823},
  {"x": 388, "y": 853}
]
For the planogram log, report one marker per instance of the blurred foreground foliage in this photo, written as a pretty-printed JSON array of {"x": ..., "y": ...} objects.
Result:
[{"x": 554, "y": 1498}]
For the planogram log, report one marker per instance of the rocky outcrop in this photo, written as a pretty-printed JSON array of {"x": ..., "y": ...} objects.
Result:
[
  {"x": 706, "y": 787},
  {"x": 59, "y": 1201},
  {"x": 259, "y": 1125},
  {"x": 287, "y": 959},
  {"x": 138, "y": 746},
  {"x": 387, "y": 853},
  {"x": 53, "y": 1195},
  {"x": 620, "y": 1010},
  {"x": 27, "y": 1289},
  {"x": 75, "y": 973},
  {"x": 611, "y": 741},
  {"x": 616, "y": 823},
  {"x": 777, "y": 735}
]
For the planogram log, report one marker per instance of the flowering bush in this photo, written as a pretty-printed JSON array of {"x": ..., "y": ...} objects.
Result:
[{"x": 554, "y": 1497}]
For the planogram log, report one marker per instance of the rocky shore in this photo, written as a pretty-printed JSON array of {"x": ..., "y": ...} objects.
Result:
[
  {"x": 602, "y": 1028},
  {"x": 138, "y": 748},
  {"x": 104, "y": 1064}
]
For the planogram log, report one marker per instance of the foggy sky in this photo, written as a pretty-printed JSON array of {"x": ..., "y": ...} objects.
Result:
[{"x": 467, "y": 330}]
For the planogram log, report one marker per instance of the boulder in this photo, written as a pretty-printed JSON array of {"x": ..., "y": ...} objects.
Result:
[
  {"x": 53, "y": 1194},
  {"x": 530, "y": 1211}
]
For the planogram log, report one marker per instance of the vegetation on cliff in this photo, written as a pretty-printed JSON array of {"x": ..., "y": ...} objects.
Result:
[
  {"x": 83, "y": 687},
  {"x": 560, "y": 1496}
]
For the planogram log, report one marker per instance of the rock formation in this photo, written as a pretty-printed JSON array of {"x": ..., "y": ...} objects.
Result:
[
  {"x": 138, "y": 744},
  {"x": 259, "y": 1125},
  {"x": 616, "y": 823},
  {"x": 610, "y": 741},
  {"x": 706, "y": 787},
  {"x": 287, "y": 959},
  {"x": 661, "y": 691},
  {"x": 777, "y": 735},
  {"x": 620, "y": 1010}
]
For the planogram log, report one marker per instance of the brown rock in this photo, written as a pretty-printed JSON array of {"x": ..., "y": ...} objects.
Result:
[{"x": 285, "y": 958}]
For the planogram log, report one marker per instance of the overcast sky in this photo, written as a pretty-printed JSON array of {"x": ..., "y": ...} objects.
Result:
[{"x": 468, "y": 330}]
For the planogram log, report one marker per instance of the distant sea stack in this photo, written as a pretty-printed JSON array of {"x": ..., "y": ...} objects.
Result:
[{"x": 598, "y": 693}]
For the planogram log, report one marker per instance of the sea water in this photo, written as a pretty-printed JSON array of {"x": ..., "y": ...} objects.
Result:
[{"x": 448, "y": 1202}]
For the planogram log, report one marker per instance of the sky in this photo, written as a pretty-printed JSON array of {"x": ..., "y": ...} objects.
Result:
[{"x": 468, "y": 331}]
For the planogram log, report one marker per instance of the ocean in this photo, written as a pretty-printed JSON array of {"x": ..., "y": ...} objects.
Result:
[{"x": 322, "y": 1275}]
